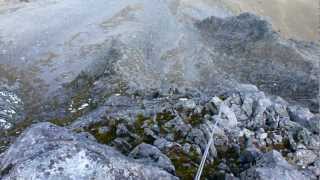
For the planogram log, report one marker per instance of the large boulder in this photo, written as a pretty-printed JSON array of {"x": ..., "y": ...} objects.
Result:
[
  {"x": 46, "y": 151},
  {"x": 272, "y": 166}
]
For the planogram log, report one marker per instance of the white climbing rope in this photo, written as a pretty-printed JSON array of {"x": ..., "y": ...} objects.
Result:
[
  {"x": 206, "y": 152},
  {"x": 204, "y": 157}
]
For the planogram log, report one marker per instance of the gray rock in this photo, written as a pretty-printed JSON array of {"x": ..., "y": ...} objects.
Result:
[
  {"x": 246, "y": 133},
  {"x": 230, "y": 177},
  {"x": 212, "y": 108},
  {"x": 121, "y": 144},
  {"x": 150, "y": 134},
  {"x": 251, "y": 106},
  {"x": 250, "y": 155},
  {"x": 187, "y": 103},
  {"x": 261, "y": 135},
  {"x": 87, "y": 135},
  {"x": 122, "y": 130},
  {"x": 197, "y": 151},
  {"x": 227, "y": 118},
  {"x": 303, "y": 157},
  {"x": 104, "y": 130},
  {"x": 247, "y": 105},
  {"x": 223, "y": 167},
  {"x": 218, "y": 134},
  {"x": 272, "y": 166},
  {"x": 179, "y": 126},
  {"x": 260, "y": 107},
  {"x": 196, "y": 136},
  {"x": 276, "y": 138},
  {"x": 163, "y": 144},
  {"x": 93, "y": 117},
  {"x": 186, "y": 147},
  {"x": 170, "y": 136},
  {"x": 299, "y": 114},
  {"x": 314, "y": 124},
  {"x": 147, "y": 153},
  {"x": 315, "y": 168},
  {"x": 304, "y": 117},
  {"x": 45, "y": 151}
]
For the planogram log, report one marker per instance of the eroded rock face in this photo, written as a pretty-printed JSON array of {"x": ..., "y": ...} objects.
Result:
[{"x": 46, "y": 151}]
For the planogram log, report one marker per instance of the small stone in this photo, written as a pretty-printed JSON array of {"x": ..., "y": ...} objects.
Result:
[
  {"x": 186, "y": 148},
  {"x": 188, "y": 104},
  {"x": 250, "y": 155},
  {"x": 196, "y": 149},
  {"x": 276, "y": 139},
  {"x": 150, "y": 134},
  {"x": 164, "y": 144},
  {"x": 104, "y": 130},
  {"x": 122, "y": 130},
  {"x": 263, "y": 136},
  {"x": 212, "y": 108},
  {"x": 170, "y": 136},
  {"x": 223, "y": 167},
  {"x": 246, "y": 133}
]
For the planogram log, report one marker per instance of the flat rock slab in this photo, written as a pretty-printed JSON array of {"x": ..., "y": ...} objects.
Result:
[{"x": 46, "y": 151}]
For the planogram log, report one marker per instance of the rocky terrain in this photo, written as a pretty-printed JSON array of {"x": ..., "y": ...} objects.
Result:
[
  {"x": 281, "y": 13},
  {"x": 136, "y": 90}
]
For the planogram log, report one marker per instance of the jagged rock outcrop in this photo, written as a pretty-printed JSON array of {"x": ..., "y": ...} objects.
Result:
[
  {"x": 246, "y": 122},
  {"x": 171, "y": 131}
]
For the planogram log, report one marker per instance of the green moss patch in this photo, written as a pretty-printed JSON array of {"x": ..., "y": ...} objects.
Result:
[
  {"x": 184, "y": 164},
  {"x": 195, "y": 119},
  {"x": 103, "y": 138}
]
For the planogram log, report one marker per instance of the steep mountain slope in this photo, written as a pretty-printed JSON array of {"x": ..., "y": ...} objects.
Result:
[
  {"x": 157, "y": 45},
  {"x": 162, "y": 72},
  {"x": 295, "y": 19}
]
